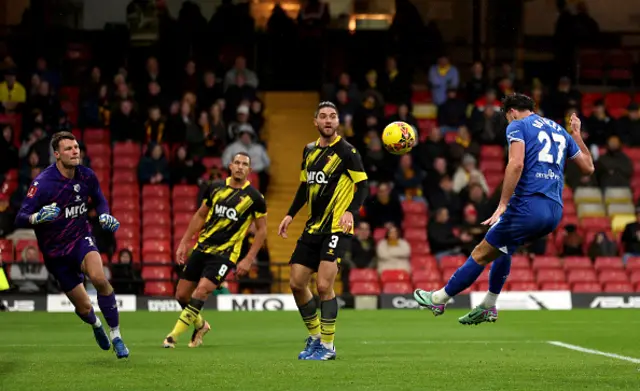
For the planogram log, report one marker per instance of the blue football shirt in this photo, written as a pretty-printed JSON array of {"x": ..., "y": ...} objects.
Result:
[{"x": 547, "y": 147}]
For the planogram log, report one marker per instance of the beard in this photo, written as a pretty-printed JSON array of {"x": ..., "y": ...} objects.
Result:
[{"x": 327, "y": 132}]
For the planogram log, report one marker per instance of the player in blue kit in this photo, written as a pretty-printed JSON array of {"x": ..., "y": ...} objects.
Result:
[
  {"x": 56, "y": 208},
  {"x": 530, "y": 205}
]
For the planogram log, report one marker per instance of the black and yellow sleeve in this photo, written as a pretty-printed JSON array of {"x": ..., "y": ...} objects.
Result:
[
  {"x": 207, "y": 196},
  {"x": 259, "y": 206},
  {"x": 354, "y": 166}
]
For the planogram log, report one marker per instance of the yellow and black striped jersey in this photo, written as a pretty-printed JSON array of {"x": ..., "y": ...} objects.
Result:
[
  {"x": 232, "y": 212},
  {"x": 330, "y": 173}
]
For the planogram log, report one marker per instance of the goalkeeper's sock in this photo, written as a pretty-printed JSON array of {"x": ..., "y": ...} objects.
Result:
[
  {"x": 310, "y": 318},
  {"x": 199, "y": 322},
  {"x": 328, "y": 315},
  {"x": 90, "y": 318},
  {"x": 188, "y": 317}
]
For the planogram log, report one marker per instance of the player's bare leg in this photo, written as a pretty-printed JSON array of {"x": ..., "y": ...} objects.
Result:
[
  {"x": 464, "y": 277},
  {"x": 82, "y": 303},
  {"x": 184, "y": 290},
  {"x": 327, "y": 273},
  {"x": 92, "y": 266},
  {"x": 299, "y": 279},
  {"x": 191, "y": 312}
]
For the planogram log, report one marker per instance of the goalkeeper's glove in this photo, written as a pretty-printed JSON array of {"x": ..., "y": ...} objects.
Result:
[
  {"x": 109, "y": 222},
  {"x": 46, "y": 214}
]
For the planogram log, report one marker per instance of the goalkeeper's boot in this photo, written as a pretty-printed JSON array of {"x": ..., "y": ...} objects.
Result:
[
  {"x": 102, "y": 338},
  {"x": 198, "y": 334},
  {"x": 480, "y": 315},
  {"x": 169, "y": 342},
  {"x": 425, "y": 299},
  {"x": 323, "y": 354},
  {"x": 120, "y": 348},
  {"x": 311, "y": 345}
]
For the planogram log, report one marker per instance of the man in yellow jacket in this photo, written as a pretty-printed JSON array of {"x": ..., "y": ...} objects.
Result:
[{"x": 11, "y": 91}]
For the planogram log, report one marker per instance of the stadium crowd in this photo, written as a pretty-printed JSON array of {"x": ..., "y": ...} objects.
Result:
[{"x": 425, "y": 209}]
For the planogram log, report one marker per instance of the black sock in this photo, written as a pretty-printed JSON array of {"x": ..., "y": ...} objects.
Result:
[{"x": 328, "y": 315}]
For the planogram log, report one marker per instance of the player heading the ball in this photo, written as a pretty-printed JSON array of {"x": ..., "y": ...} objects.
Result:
[{"x": 530, "y": 206}]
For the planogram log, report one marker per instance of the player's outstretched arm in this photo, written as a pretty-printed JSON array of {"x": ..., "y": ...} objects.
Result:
[
  {"x": 244, "y": 266},
  {"x": 195, "y": 225},
  {"x": 32, "y": 212},
  {"x": 361, "y": 193},
  {"x": 584, "y": 160},
  {"x": 298, "y": 202}
]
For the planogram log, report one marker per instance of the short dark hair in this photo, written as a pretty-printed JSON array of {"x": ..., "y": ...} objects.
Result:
[
  {"x": 55, "y": 140},
  {"x": 519, "y": 102},
  {"x": 324, "y": 104},
  {"x": 241, "y": 154}
]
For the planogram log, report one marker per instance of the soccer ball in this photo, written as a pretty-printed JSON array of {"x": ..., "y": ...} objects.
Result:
[{"x": 398, "y": 138}]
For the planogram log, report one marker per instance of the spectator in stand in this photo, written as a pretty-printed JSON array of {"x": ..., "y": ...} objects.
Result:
[
  {"x": 345, "y": 105},
  {"x": 190, "y": 80},
  {"x": 488, "y": 99},
  {"x": 155, "y": 98},
  {"x": 46, "y": 74},
  {"x": 505, "y": 87},
  {"x": 384, "y": 208},
  {"x": 154, "y": 126},
  {"x": 572, "y": 242},
  {"x": 124, "y": 124},
  {"x": 154, "y": 167},
  {"x": 152, "y": 73},
  {"x": 184, "y": 169},
  {"x": 393, "y": 252},
  {"x": 537, "y": 94},
  {"x": 371, "y": 85},
  {"x": 445, "y": 197},
  {"x": 260, "y": 160},
  {"x": 404, "y": 115},
  {"x": 452, "y": 112},
  {"x": 8, "y": 151},
  {"x": 12, "y": 93},
  {"x": 463, "y": 145},
  {"x": 478, "y": 84},
  {"x": 602, "y": 246},
  {"x": 395, "y": 84},
  {"x": 574, "y": 178},
  {"x": 240, "y": 124},
  {"x": 440, "y": 234},
  {"x": 7, "y": 214},
  {"x": 256, "y": 116},
  {"x": 471, "y": 225},
  {"x": 210, "y": 91},
  {"x": 362, "y": 254},
  {"x": 240, "y": 68},
  {"x": 45, "y": 102},
  {"x": 614, "y": 168},
  {"x": 628, "y": 127},
  {"x": 435, "y": 147},
  {"x": 442, "y": 77},
  {"x": 37, "y": 142},
  {"x": 435, "y": 174},
  {"x": 24, "y": 184},
  {"x": 599, "y": 126},
  {"x": 408, "y": 179},
  {"x": 345, "y": 83},
  {"x": 467, "y": 171},
  {"x": 124, "y": 277},
  {"x": 489, "y": 127},
  {"x": 30, "y": 275},
  {"x": 477, "y": 197},
  {"x": 376, "y": 160},
  {"x": 630, "y": 238},
  {"x": 564, "y": 97}
]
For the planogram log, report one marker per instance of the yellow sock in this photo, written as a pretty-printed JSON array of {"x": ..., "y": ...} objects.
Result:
[
  {"x": 328, "y": 327},
  {"x": 187, "y": 317},
  {"x": 199, "y": 322},
  {"x": 313, "y": 324}
]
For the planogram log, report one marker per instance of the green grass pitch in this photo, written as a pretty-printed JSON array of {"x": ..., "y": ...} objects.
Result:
[{"x": 377, "y": 350}]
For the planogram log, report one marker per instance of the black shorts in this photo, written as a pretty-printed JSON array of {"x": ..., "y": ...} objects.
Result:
[
  {"x": 211, "y": 266},
  {"x": 311, "y": 249}
]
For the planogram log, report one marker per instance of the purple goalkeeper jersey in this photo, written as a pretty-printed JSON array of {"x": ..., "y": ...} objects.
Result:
[{"x": 59, "y": 237}]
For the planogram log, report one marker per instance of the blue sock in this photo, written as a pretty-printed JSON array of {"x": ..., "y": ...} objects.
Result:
[
  {"x": 463, "y": 277},
  {"x": 499, "y": 273}
]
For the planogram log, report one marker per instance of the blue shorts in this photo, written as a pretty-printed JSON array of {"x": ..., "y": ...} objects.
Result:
[
  {"x": 67, "y": 269},
  {"x": 525, "y": 220}
]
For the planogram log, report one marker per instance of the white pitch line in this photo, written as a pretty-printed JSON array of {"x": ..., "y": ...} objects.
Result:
[{"x": 595, "y": 352}]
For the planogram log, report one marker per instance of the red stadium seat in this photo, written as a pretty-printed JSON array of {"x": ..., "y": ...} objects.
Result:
[
  {"x": 617, "y": 100},
  {"x": 254, "y": 179},
  {"x": 127, "y": 217},
  {"x": 103, "y": 175},
  {"x": 164, "y": 258},
  {"x": 126, "y": 204},
  {"x": 125, "y": 161},
  {"x": 181, "y": 218},
  {"x": 210, "y": 162},
  {"x": 11, "y": 175},
  {"x": 521, "y": 275},
  {"x": 156, "y": 246},
  {"x": 155, "y": 204},
  {"x": 390, "y": 109},
  {"x": 185, "y": 191},
  {"x": 415, "y": 235},
  {"x": 156, "y": 218},
  {"x": 520, "y": 262},
  {"x": 415, "y": 221},
  {"x": 363, "y": 275},
  {"x": 596, "y": 224},
  {"x": 448, "y": 272},
  {"x": 584, "y": 275},
  {"x": 98, "y": 149},
  {"x": 480, "y": 286},
  {"x": 127, "y": 232},
  {"x": 555, "y": 286},
  {"x": 21, "y": 244},
  {"x": 6, "y": 248},
  {"x": 571, "y": 263},
  {"x": 452, "y": 261},
  {"x": 484, "y": 276},
  {"x": 414, "y": 207},
  {"x": 634, "y": 277},
  {"x": 185, "y": 204},
  {"x": 612, "y": 276},
  {"x": 523, "y": 286},
  {"x": 550, "y": 275},
  {"x": 633, "y": 264},
  {"x": 586, "y": 287},
  {"x": 428, "y": 285},
  {"x": 491, "y": 152},
  {"x": 379, "y": 234},
  {"x": 158, "y": 288},
  {"x": 152, "y": 232},
  {"x": 156, "y": 272},
  {"x": 179, "y": 230},
  {"x": 618, "y": 287},
  {"x": 420, "y": 248},
  {"x": 124, "y": 176},
  {"x": 398, "y": 288},
  {"x": 608, "y": 263},
  {"x": 93, "y": 136},
  {"x": 105, "y": 258},
  {"x": 100, "y": 163},
  {"x": 423, "y": 262},
  {"x": 365, "y": 288},
  {"x": 156, "y": 191},
  {"x": 394, "y": 275},
  {"x": 125, "y": 190},
  {"x": 492, "y": 165},
  {"x": 426, "y": 275},
  {"x": 126, "y": 148}
]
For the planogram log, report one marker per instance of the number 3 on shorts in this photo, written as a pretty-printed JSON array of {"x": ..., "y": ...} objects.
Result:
[
  {"x": 223, "y": 270},
  {"x": 334, "y": 241}
]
